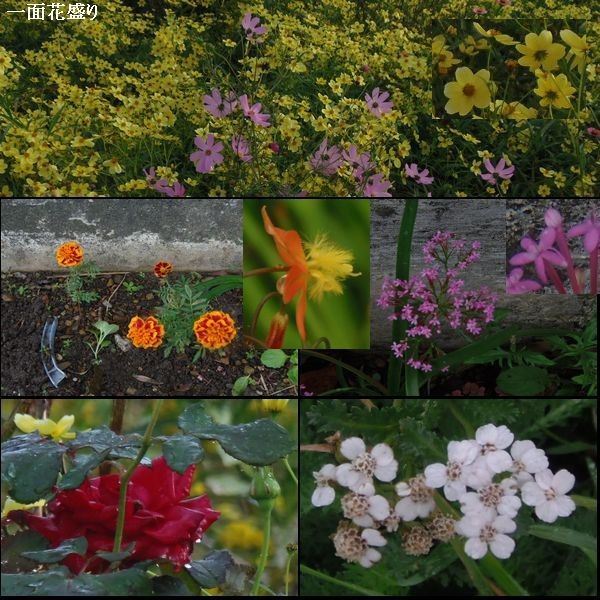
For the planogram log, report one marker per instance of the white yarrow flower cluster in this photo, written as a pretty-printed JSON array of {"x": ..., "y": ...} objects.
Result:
[{"x": 491, "y": 477}]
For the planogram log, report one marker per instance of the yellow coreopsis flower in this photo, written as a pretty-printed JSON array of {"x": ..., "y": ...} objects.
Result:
[
  {"x": 273, "y": 405},
  {"x": 468, "y": 91},
  {"x": 11, "y": 505},
  {"x": 540, "y": 52},
  {"x": 554, "y": 91},
  {"x": 503, "y": 38},
  {"x": 441, "y": 55},
  {"x": 471, "y": 47},
  {"x": 58, "y": 431},
  {"x": 579, "y": 48},
  {"x": 514, "y": 110}
]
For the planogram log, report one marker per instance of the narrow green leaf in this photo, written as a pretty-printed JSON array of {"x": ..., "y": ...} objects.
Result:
[
  {"x": 563, "y": 535},
  {"x": 585, "y": 502},
  {"x": 73, "y": 546}
]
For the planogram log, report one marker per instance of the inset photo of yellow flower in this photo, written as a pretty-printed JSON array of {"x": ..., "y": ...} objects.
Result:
[
  {"x": 306, "y": 273},
  {"x": 514, "y": 68}
]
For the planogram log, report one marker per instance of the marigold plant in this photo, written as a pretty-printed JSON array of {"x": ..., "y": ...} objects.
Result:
[
  {"x": 146, "y": 333},
  {"x": 69, "y": 254},
  {"x": 214, "y": 330}
]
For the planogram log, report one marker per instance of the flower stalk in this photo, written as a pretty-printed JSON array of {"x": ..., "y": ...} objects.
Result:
[{"x": 146, "y": 441}]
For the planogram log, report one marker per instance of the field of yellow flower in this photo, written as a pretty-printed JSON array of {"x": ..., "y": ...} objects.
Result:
[{"x": 262, "y": 98}]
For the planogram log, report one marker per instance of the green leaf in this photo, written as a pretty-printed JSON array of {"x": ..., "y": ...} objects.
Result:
[
  {"x": 30, "y": 466},
  {"x": 117, "y": 556},
  {"x": 14, "y": 546},
  {"x": 167, "y": 585},
  {"x": 240, "y": 385},
  {"x": 72, "y": 546},
  {"x": 586, "y": 543},
  {"x": 102, "y": 439},
  {"x": 82, "y": 465},
  {"x": 292, "y": 374},
  {"x": 105, "y": 328},
  {"x": 58, "y": 582},
  {"x": 211, "y": 571},
  {"x": 523, "y": 381},
  {"x": 257, "y": 443},
  {"x": 274, "y": 359},
  {"x": 181, "y": 451}
]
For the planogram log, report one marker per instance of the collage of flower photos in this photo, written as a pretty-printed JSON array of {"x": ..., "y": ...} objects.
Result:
[{"x": 299, "y": 297}]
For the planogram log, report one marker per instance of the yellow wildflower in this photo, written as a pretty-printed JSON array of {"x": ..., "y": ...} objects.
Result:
[
  {"x": 554, "y": 91},
  {"x": 11, "y": 504},
  {"x": 241, "y": 535},
  {"x": 543, "y": 191},
  {"x": 539, "y": 51},
  {"x": 579, "y": 48},
  {"x": 468, "y": 91},
  {"x": 471, "y": 47},
  {"x": 59, "y": 431},
  {"x": 441, "y": 55},
  {"x": 113, "y": 166},
  {"x": 513, "y": 110},
  {"x": 507, "y": 40},
  {"x": 273, "y": 405}
]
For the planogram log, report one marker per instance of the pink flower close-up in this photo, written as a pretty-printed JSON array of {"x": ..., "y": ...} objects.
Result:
[
  {"x": 590, "y": 230},
  {"x": 327, "y": 159},
  {"x": 378, "y": 103},
  {"x": 253, "y": 112},
  {"x": 360, "y": 162},
  {"x": 218, "y": 106},
  {"x": 538, "y": 253},
  {"x": 208, "y": 154},
  {"x": 515, "y": 284},
  {"x": 176, "y": 191},
  {"x": 252, "y": 27},
  {"x": 241, "y": 148},
  {"x": 421, "y": 177},
  {"x": 377, "y": 187},
  {"x": 500, "y": 169}
]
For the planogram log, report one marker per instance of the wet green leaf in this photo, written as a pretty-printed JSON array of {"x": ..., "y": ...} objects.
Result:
[
  {"x": 181, "y": 451},
  {"x": 211, "y": 571},
  {"x": 72, "y": 546}
]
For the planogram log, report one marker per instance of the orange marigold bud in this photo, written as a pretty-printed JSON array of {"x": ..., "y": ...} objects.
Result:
[
  {"x": 162, "y": 269},
  {"x": 277, "y": 329},
  {"x": 215, "y": 329},
  {"x": 69, "y": 254},
  {"x": 146, "y": 333}
]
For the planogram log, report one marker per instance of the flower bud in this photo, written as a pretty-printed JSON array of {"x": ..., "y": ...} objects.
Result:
[
  {"x": 274, "y": 147},
  {"x": 552, "y": 218},
  {"x": 277, "y": 330},
  {"x": 264, "y": 486}
]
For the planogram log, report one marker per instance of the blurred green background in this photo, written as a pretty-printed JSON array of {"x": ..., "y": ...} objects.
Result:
[
  {"x": 342, "y": 319},
  {"x": 225, "y": 479}
]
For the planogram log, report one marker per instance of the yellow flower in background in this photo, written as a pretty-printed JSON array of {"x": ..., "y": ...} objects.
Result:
[
  {"x": 11, "y": 504},
  {"x": 59, "y": 431},
  {"x": 241, "y": 535},
  {"x": 471, "y": 46},
  {"x": 513, "y": 110},
  {"x": 554, "y": 91},
  {"x": 540, "y": 52},
  {"x": 468, "y": 91},
  {"x": 579, "y": 48},
  {"x": 273, "y": 405},
  {"x": 507, "y": 40},
  {"x": 441, "y": 55}
]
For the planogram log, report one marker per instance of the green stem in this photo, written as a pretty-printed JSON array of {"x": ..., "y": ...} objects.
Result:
[
  {"x": 146, "y": 441},
  {"x": 347, "y": 585},
  {"x": 585, "y": 502},
  {"x": 290, "y": 470},
  {"x": 469, "y": 429},
  {"x": 403, "y": 251},
  {"x": 264, "y": 553},
  {"x": 287, "y": 572}
]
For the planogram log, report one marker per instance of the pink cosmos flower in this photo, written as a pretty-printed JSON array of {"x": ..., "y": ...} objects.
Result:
[
  {"x": 241, "y": 148},
  {"x": 274, "y": 147},
  {"x": 377, "y": 187},
  {"x": 253, "y": 112},
  {"x": 177, "y": 191},
  {"x": 208, "y": 155},
  {"x": 538, "y": 253},
  {"x": 590, "y": 230},
  {"x": 515, "y": 284},
  {"x": 503, "y": 2},
  {"x": 378, "y": 103},
  {"x": 593, "y": 131},
  {"x": 360, "y": 162},
  {"x": 500, "y": 169},
  {"x": 218, "y": 106},
  {"x": 421, "y": 177},
  {"x": 479, "y": 10},
  {"x": 326, "y": 160},
  {"x": 252, "y": 28}
]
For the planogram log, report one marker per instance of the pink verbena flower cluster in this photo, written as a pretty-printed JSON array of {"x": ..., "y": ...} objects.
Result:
[
  {"x": 436, "y": 297},
  {"x": 552, "y": 250},
  {"x": 327, "y": 161}
]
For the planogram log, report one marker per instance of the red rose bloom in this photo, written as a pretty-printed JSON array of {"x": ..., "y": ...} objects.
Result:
[{"x": 159, "y": 517}]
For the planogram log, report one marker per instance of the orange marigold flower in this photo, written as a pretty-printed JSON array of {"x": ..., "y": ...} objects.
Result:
[
  {"x": 69, "y": 254},
  {"x": 162, "y": 269},
  {"x": 146, "y": 333},
  {"x": 215, "y": 329}
]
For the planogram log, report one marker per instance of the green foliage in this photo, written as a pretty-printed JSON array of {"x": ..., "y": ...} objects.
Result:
[
  {"x": 131, "y": 288},
  {"x": 103, "y": 439},
  {"x": 274, "y": 359},
  {"x": 101, "y": 330},
  {"x": 257, "y": 443},
  {"x": 30, "y": 466},
  {"x": 73, "y": 546},
  {"x": 523, "y": 381},
  {"x": 75, "y": 283},
  {"x": 181, "y": 451},
  {"x": 211, "y": 571}
]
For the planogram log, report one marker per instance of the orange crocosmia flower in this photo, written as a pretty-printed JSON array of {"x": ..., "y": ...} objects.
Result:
[
  {"x": 162, "y": 269},
  {"x": 146, "y": 333},
  {"x": 295, "y": 281},
  {"x": 69, "y": 254},
  {"x": 215, "y": 329}
]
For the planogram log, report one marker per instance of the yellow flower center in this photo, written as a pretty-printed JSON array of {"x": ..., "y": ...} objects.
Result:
[
  {"x": 469, "y": 90},
  {"x": 540, "y": 55},
  {"x": 551, "y": 95}
]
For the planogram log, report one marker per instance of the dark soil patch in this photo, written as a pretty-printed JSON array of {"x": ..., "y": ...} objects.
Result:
[
  {"x": 27, "y": 301},
  {"x": 321, "y": 377}
]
